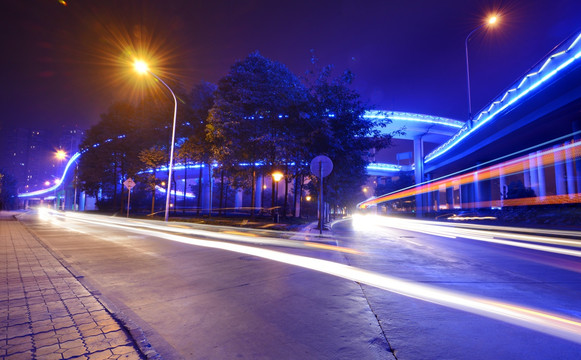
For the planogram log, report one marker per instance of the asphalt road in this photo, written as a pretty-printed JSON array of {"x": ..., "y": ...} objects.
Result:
[
  {"x": 227, "y": 294},
  {"x": 537, "y": 280},
  {"x": 195, "y": 302}
]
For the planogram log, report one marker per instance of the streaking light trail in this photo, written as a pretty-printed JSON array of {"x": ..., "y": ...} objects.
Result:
[
  {"x": 554, "y": 324},
  {"x": 560, "y": 155}
]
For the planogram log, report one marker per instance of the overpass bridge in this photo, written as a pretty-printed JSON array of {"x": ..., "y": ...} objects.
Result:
[{"x": 540, "y": 111}]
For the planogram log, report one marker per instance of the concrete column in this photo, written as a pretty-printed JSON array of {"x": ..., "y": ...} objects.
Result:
[
  {"x": 450, "y": 197},
  {"x": 476, "y": 189},
  {"x": 430, "y": 196},
  {"x": 82, "y": 201},
  {"x": 258, "y": 193},
  {"x": 570, "y": 174},
  {"x": 560, "y": 175},
  {"x": 238, "y": 199},
  {"x": 534, "y": 181},
  {"x": 503, "y": 186},
  {"x": 419, "y": 172},
  {"x": 577, "y": 161},
  {"x": 541, "y": 176}
]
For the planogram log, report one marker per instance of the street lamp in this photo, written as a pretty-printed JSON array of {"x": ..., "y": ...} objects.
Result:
[
  {"x": 142, "y": 68},
  {"x": 61, "y": 155},
  {"x": 491, "y": 21},
  {"x": 276, "y": 177}
]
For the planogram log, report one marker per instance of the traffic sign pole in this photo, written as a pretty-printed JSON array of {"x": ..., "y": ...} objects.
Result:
[
  {"x": 321, "y": 166},
  {"x": 129, "y": 184}
]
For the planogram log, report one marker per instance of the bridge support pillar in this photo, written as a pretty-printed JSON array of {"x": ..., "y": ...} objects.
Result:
[
  {"x": 560, "y": 174},
  {"x": 430, "y": 197},
  {"x": 541, "y": 176},
  {"x": 569, "y": 167},
  {"x": 476, "y": 190},
  {"x": 577, "y": 161},
  {"x": 502, "y": 184},
  {"x": 534, "y": 180},
  {"x": 238, "y": 199},
  {"x": 419, "y": 173},
  {"x": 258, "y": 192}
]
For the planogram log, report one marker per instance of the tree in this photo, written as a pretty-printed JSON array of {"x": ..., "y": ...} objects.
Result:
[
  {"x": 152, "y": 159},
  {"x": 341, "y": 132},
  {"x": 109, "y": 154},
  {"x": 8, "y": 191},
  {"x": 516, "y": 190},
  {"x": 255, "y": 117}
]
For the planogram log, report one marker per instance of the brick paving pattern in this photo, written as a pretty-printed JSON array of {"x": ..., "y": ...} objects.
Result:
[{"x": 45, "y": 312}]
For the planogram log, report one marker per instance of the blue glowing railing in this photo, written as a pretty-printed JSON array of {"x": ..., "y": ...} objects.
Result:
[
  {"x": 396, "y": 115},
  {"x": 564, "y": 56},
  {"x": 374, "y": 114}
]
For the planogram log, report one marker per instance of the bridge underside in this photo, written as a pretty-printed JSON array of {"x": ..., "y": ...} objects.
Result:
[{"x": 551, "y": 112}]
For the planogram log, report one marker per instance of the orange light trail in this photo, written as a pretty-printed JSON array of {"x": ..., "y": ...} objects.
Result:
[{"x": 548, "y": 157}]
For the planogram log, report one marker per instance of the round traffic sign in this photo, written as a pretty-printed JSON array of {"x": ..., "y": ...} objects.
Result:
[{"x": 321, "y": 166}]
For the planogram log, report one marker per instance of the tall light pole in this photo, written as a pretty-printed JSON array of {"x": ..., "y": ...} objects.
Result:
[
  {"x": 61, "y": 155},
  {"x": 491, "y": 21},
  {"x": 276, "y": 177},
  {"x": 142, "y": 68}
]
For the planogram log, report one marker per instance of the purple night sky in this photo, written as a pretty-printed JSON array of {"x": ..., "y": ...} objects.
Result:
[{"x": 65, "y": 64}]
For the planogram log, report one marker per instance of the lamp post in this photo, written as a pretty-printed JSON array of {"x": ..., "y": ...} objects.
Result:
[
  {"x": 61, "y": 155},
  {"x": 276, "y": 177},
  {"x": 142, "y": 68},
  {"x": 491, "y": 20}
]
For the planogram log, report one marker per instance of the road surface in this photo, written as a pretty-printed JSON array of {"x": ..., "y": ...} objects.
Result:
[{"x": 377, "y": 290}]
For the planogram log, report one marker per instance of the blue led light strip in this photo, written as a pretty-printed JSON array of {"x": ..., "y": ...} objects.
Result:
[
  {"x": 558, "y": 55},
  {"x": 396, "y": 115},
  {"x": 58, "y": 183}
]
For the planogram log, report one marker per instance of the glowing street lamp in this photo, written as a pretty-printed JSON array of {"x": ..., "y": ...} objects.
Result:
[
  {"x": 60, "y": 154},
  {"x": 142, "y": 68},
  {"x": 490, "y": 22},
  {"x": 276, "y": 177}
]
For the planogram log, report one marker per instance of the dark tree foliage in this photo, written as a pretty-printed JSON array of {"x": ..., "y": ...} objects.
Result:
[
  {"x": 516, "y": 190},
  {"x": 102, "y": 168},
  {"x": 123, "y": 131},
  {"x": 340, "y": 131},
  {"x": 8, "y": 191},
  {"x": 256, "y": 118}
]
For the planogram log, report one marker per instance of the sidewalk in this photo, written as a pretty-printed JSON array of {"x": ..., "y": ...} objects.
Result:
[{"x": 45, "y": 312}]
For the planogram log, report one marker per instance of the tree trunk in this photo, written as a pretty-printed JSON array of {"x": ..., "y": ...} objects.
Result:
[
  {"x": 153, "y": 194},
  {"x": 253, "y": 194},
  {"x": 284, "y": 208},
  {"x": 185, "y": 184},
  {"x": 199, "y": 190},
  {"x": 221, "y": 191},
  {"x": 295, "y": 189}
]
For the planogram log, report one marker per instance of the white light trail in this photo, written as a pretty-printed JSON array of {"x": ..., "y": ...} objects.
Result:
[{"x": 556, "y": 325}]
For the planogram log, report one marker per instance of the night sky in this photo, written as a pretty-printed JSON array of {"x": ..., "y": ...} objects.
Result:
[{"x": 65, "y": 64}]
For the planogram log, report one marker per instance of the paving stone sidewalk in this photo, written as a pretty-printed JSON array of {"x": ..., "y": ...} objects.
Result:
[{"x": 45, "y": 312}]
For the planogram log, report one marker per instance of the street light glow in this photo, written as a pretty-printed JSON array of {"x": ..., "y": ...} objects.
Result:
[
  {"x": 492, "y": 19},
  {"x": 60, "y": 154},
  {"x": 277, "y": 176},
  {"x": 141, "y": 66}
]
